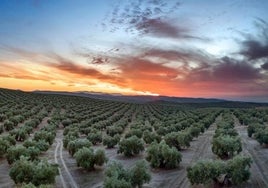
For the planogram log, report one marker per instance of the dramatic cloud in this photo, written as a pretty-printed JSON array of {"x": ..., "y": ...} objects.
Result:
[
  {"x": 161, "y": 28},
  {"x": 71, "y": 67},
  {"x": 265, "y": 66},
  {"x": 253, "y": 49},
  {"x": 256, "y": 47},
  {"x": 232, "y": 70}
]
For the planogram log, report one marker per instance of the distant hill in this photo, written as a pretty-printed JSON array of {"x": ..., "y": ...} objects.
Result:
[{"x": 134, "y": 98}]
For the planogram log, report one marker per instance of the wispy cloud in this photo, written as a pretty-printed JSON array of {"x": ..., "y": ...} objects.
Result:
[{"x": 149, "y": 18}]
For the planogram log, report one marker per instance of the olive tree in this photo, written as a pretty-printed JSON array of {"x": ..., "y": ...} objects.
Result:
[
  {"x": 86, "y": 158},
  {"x": 178, "y": 140},
  {"x": 75, "y": 145},
  {"x": 163, "y": 156},
  {"x": 95, "y": 138},
  {"x": 15, "y": 152},
  {"x": 22, "y": 171},
  {"x": 44, "y": 135},
  {"x": 139, "y": 174},
  {"x": 205, "y": 171},
  {"x": 238, "y": 169},
  {"x": 130, "y": 146},
  {"x": 234, "y": 171},
  {"x": 37, "y": 172},
  {"x": 134, "y": 132},
  {"x": 226, "y": 146},
  {"x": 4, "y": 145},
  {"x": 8, "y": 125},
  {"x": 117, "y": 176},
  {"x": 44, "y": 173},
  {"x": 150, "y": 137},
  {"x": 111, "y": 141},
  {"x": 262, "y": 136}
]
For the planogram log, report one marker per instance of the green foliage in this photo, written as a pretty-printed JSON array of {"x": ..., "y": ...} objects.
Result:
[
  {"x": 118, "y": 177},
  {"x": 222, "y": 132},
  {"x": 2, "y": 117},
  {"x": 226, "y": 146},
  {"x": 140, "y": 174},
  {"x": 1, "y": 128},
  {"x": 235, "y": 170},
  {"x": 130, "y": 146},
  {"x": 134, "y": 132},
  {"x": 163, "y": 156},
  {"x": 205, "y": 171},
  {"x": 95, "y": 138},
  {"x": 22, "y": 171},
  {"x": 86, "y": 158},
  {"x": 149, "y": 137},
  {"x": 110, "y": 141},
  {"x": 44, "y": 135},
  {"x": 66, "y": 122},
  {"x": 68, "y": 138},
  {"x": 33, "y": 153},
  {"x": 38, "y": 172},
  {"x": 20, "y": 134},
  {"x": 44, "y": 173},
  {"x": 75, "y": 145},
  {"x": 113, "y": 130},
  {"x": 194, "y": 131},
  {"x": 238, "y": 169},
  {"x": 11, "y": 139},
  {"x": 15, "y": 152},
  {"x": 4, "y": 145},
  {"x": 178, "y": 140},
  {"x": 8, "y": 125},
  {"x": 262, "y": 136},
  {"x": 42, "y": 145}
]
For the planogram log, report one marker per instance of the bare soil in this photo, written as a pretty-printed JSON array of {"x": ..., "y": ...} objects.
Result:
[
  {"x": 200, "y": 149},
  {"x": 259, "y": 155},
  {"x": 73, "y": 176}
]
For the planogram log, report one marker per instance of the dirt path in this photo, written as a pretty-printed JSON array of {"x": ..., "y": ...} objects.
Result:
[
  {"x": 56, "y": 161},
  {"x": 5, "y": 180},
  {"x": 259, "y": 155},
  {"x": 66, "y": 177}
]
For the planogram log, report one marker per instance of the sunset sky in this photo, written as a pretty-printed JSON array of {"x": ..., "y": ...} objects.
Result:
[{"x": 187, "y": 48}]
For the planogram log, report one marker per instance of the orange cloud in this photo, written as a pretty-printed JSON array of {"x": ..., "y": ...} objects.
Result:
[{"x": 147, "y": 73}]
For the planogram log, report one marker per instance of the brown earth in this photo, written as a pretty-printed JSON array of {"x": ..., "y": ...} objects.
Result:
[
  {"x": 200, "y": 149},
  {"x": 259, "y": 155}
]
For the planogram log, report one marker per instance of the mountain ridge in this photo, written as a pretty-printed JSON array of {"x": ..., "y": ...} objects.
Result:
[{"x": 133, "y": 98}]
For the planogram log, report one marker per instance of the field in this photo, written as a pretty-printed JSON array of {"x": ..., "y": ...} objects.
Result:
[{"x": 58, "y": 120}]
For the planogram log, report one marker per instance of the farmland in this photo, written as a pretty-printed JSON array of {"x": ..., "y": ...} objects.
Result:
[{"x": 60, "y": 133}]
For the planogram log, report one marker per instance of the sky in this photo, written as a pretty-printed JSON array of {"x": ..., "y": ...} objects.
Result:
[{"x": 184, "y": 48}]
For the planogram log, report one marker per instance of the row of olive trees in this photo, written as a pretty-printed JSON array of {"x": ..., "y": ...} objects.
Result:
[
  {"x": 117, "y": 176},
  {"x": 225, "y": 144},
  {"x": 255, "y": 119}
]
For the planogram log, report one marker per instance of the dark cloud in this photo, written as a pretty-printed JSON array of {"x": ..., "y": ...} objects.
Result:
[
  {"x": 256, "y": 47},
  {"x": 227, "y": 70},
  {"x": 99, "y": 60},
  {"x": 253, "y": 49},
  {"x": 265, "y": 66},
  {"x": 181, "y": 55},
  {"x": 161, "y": 28},
  {"x": 233, "y": 70}
]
